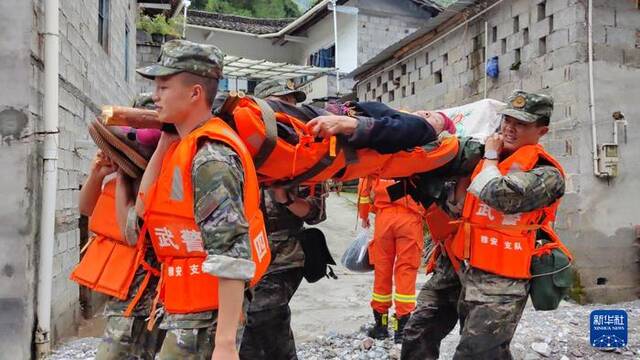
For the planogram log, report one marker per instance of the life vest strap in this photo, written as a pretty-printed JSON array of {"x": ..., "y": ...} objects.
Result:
[
  {"x": 271, "y": 133},
  {"x": 350, "y": 157}
]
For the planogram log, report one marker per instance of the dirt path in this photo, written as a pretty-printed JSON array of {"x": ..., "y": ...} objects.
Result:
[{"x": 334, "y": 306}]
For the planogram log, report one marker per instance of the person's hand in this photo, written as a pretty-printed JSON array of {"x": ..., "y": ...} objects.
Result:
[
  {"x": 494, "y": 142},
  {"x": 280, "y": 195},
  {"x": 329, "y": 125},
  {"x": 366, "y": 223},
  {"x": 102, "y": 165},
  {"x": 225, "y": 351},
  {"x": 433, "y": 118},
  {"x": 166, "y": 139}
]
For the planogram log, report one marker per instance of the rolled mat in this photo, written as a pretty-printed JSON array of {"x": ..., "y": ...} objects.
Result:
[{"x": 113, "y": 153}]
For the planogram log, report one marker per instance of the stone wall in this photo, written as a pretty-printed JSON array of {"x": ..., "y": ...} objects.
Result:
[
  {"x": 549, "y": 39},
  {"x": 90, "y": 76},
  {"x": 146, "y": 54}
]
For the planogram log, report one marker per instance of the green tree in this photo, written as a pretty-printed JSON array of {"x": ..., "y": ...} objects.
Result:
[{"x": 253, "y": 8}]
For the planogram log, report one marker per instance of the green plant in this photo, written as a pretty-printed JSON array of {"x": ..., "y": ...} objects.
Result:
[
  {"x": 144, "y": 23},
  {"x": 159, "y": 25}
]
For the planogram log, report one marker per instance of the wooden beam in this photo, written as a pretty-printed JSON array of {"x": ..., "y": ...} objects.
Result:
[{"x": 155, "y": 6}]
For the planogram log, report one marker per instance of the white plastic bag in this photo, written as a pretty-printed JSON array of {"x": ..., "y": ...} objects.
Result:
[{"x": 356, "y": 257}]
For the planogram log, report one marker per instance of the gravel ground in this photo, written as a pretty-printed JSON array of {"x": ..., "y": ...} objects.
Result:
[{"x": 329, "y": 317}]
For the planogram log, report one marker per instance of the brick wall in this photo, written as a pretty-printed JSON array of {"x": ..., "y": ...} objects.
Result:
[
  {"x": 376, "y": 32},
  {"x": 550, "y": 38},
  {"x": 91, "y": 75}
]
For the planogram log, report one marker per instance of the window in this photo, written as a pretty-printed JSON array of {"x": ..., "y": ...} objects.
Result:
[
  {"x": 413, "y": 88},
  {"x": 437, "y": 76},
  {"x": 404, "y": 91},
  {"x": 385, "y": 87},
  {"x": 503, "y": 46},
  {"x": 426, "y": 56},
  {"x": 379, "y": 81},
  {"x": 391, "y": 75},
  {"x": 126, "y": 52},
  {"x": 324, "y": 57},
  {"x": 516, "y": 24},
  {"x": 525, "y": 36},
  {"x": 482, "y": 54},
  {"x": 369, "y": 86},
  {"x": 403, "y": 69},
  {"x": 445, "y": 59},
  {"x": 542, "y": 46},
  {"x": 542, "y": 10},
  {"x": 550, "y": 24},
  {"x": 392, "y": 96},
  {"x": 103, "y": 24},
  {"x": 517, "y": 56},
  {"x": 379, "y": 99},
  {"x": 494, "y": 34},
  {"x": 373, "y": 94},
  {"x": 476, "y": 42}
]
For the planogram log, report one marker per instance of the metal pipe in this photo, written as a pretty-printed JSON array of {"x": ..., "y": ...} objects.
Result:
[
  {"x": 50, "y": 179},
  {"x": 592, "y": 101},
  {"x": 185, "y": 4},
  {"x": 335, "y": 39},
  {"x": 486, "y": 54}
]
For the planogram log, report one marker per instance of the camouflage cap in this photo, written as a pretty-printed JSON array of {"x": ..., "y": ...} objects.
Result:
[
  {"x": 278, "y": 88},
  {"x": 181, "y": 55},
  {"x": 529, "y": 107},
  {"x": 144, "y": 101}
]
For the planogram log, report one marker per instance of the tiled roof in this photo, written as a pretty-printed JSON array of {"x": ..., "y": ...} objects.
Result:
[{"x": 236, "y": 23}]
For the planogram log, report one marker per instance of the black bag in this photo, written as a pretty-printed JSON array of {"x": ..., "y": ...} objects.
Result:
[{"x": 317, "y": 257}]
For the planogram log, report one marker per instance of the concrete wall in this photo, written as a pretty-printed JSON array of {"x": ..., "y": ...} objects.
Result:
[
  {"x": 18, "y": 158},
  {"x": 321, "y": 36},
  {"x": 596, "y": 217},
  {"x": 247, "y": 46},
  {"x": 89, "y": 77},
  {"x": 382, "y": 23}
]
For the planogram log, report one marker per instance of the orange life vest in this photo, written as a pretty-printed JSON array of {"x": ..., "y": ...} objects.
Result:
[
  {"x": 312, "y": 160},
  {"x": 441, "y": 228},
  {"x": 184, "y": 286},
  {"x": 503, "y": 244},
  {"x": 109, "y": 263}
]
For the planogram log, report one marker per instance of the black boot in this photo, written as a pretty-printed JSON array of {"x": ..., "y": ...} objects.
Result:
[
  {"x": 379, "y": 330},
  {"x": 398, "y": 327}
]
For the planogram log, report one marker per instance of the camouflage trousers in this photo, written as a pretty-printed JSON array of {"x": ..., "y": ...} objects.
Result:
[
  {"x": 128, "y": 338},
  {"x": 192, "y": 336},
  {"x": 488, "y": 307},
  {"x": 268, "y": 333}
]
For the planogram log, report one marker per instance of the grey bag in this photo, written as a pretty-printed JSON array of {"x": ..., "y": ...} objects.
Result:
[{"x": 356, "y": 257}]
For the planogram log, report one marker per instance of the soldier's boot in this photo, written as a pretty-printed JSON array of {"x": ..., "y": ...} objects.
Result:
[
  {"x": 398, "y": 327},
  {"x": 380, "y": 329}
]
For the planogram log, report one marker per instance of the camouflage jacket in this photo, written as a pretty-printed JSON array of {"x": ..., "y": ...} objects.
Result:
[
  {"x": 283, "y": 226},
  {"x": 217, "y": 178},
  {"x": 519, "y": 191}
]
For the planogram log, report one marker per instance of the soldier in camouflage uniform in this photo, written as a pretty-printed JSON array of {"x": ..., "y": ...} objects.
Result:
[
  {"x": 186, "y": 83},
  {"x": 268, "y": 333},
  {"x": 128, "y": 337},
  {"x": 488, "y": 306}
]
